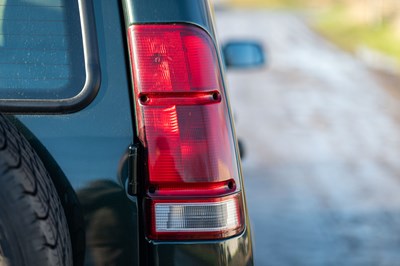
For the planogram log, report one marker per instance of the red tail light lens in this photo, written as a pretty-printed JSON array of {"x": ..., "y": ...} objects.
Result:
[{"x": 183, "y": 119}]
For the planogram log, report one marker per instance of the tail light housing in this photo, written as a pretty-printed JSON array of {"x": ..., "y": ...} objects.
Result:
[{"x": 192, "y": 186}]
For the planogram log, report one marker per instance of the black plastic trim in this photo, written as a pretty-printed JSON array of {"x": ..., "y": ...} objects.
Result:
[{"x": 92, "y": 69}]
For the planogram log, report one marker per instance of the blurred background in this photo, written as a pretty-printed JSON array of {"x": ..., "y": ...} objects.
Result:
[{"x": 320, "y": 126}]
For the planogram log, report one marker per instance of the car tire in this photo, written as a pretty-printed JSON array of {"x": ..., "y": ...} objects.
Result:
[{"x": 33, "y": 226}]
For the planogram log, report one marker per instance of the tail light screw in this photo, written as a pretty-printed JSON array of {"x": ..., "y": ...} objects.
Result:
[
  {"x": 152, "y": 189},
  {"x": 144, "y": 99},
  {"x": 216, "y": 96}
]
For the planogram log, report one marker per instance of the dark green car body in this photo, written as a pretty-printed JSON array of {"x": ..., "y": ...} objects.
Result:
[{"x": 86, "y": 144}]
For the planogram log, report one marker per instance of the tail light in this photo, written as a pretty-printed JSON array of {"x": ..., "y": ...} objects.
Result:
[{"x": 192, "y": 187}]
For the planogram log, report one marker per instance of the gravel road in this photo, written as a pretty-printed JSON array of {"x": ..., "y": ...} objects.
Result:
[{"x": 322, "y": 133}]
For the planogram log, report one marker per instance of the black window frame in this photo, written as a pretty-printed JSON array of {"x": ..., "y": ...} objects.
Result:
[{"x": 92, "y": 71}]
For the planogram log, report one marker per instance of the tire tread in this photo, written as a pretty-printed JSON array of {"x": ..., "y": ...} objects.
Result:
[{"x": 34, "y": 195}]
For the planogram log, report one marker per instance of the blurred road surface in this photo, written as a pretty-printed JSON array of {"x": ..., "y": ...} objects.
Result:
[{"x": 322, "y": 133}]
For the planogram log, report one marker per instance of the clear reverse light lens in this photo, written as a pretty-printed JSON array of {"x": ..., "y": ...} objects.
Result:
[{"x": 198, "y": 217}]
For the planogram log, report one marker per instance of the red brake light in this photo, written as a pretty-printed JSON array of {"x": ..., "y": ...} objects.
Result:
[{"x": 183, "y": 119}]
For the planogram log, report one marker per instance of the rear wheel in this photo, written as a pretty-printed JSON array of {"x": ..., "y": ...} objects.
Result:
[{"x": 33, "y": 227}]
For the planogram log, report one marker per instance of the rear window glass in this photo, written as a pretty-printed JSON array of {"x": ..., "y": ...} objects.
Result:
[{"x": 41, "y": 49}]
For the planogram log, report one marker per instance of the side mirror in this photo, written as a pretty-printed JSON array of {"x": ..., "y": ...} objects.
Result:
[{"x": 243, "y": 54}]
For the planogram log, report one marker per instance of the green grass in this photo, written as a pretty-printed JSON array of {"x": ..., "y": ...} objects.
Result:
[
  {"x": 266, "y": 3},
  {"x": 335, "y": 24},
  {"x": 337, "y": 27}
]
